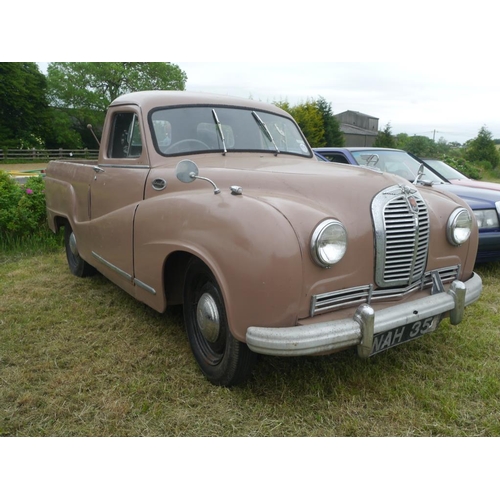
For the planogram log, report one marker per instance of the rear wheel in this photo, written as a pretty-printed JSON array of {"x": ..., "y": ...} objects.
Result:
[
  {"x": 223, "y": 359},
  {"x": 76, "y": 264}
]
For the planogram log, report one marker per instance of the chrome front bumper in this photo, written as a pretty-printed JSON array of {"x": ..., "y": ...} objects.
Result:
[{"x": 366, "y": 323}]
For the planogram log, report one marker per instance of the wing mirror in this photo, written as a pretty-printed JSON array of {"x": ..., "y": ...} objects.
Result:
[
  {"x": 187, "y": 171},
  {"x": 418, "y": 178}
]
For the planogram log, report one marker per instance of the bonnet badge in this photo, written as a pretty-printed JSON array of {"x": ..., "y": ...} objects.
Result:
[{"x": 410, "y": 199}]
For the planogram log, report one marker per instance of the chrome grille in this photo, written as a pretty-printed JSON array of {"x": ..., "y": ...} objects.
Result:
[
  {"x": 401, "y": 223},
  {"x": 327, "y": 302}
]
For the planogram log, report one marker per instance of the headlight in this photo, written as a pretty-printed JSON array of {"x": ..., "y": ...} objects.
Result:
[
  {"x": 486, "y": 219},
  {"x": 459, "y": 226},
  {"x": 328, "y": 243}
]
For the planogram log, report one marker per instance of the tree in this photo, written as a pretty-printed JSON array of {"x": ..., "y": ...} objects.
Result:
[
  {"x": 24, "y": 111},
  {"x": 333, "y": 136},
  {"x": 419, "y": 145},
  {"x": 316, "y": 120},
  {"x": 64, "y": 132},
  {"x": 84, "y": 90},
  {"x": 483, "y": 148},
  {"x": 284, "y": 105},
  {"x": 310, "y": 121},
  {"x": 385, "y": 139},
  {"x": 93, "y": 85}
]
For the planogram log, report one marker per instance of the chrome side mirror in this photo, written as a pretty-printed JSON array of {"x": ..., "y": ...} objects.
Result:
[
  {"x": 420, "y": 173},
  {"x": 187, "y": 171}
]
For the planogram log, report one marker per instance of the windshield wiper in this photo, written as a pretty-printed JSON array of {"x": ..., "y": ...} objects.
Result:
[
  {"x": 219, "y": 128},
  {"x": 263, "y": 126}
]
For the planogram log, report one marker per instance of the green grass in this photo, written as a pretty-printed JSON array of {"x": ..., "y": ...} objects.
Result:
[
  {"x": 79, "y": 357},
  {"x": 32, "y": 244}
]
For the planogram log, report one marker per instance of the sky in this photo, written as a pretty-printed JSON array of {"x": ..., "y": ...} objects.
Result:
[
  {"x": 417, "y": 99},
  {"x": 428, "y": 69},
  {"x": 429, "y": 100}
]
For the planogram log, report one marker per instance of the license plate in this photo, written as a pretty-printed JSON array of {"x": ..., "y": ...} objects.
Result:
[{"x": 402, "y": 334}]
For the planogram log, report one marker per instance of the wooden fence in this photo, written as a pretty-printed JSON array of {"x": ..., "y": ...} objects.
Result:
[{"x": 41, "y": 155}]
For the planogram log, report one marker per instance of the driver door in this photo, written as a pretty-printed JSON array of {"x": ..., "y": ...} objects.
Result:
[{"x": 116, "y": 190}]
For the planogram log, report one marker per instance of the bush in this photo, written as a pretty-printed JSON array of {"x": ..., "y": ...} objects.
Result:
[
  {"x": 465, "y": 167},
  {"x": 23, "y": 218}
]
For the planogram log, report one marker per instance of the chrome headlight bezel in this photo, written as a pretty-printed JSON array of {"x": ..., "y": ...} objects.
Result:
[
  {"x": 459, "y": 227},
  {"x": 332, "y": 234},
  {"x": 483, "y": 215}
]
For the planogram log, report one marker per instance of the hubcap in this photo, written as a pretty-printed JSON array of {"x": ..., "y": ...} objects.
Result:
[
  {"x": 207, "y": 316},
  {"x": 72, "y": 245}
]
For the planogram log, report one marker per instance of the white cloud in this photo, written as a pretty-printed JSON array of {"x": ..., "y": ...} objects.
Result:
[{"x": 429, "y": 99}]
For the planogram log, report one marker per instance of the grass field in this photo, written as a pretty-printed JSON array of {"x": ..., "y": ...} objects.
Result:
[
  {"x": 22, "y": 166},
  {"x": 82, "y": 358},
  {"x": 79, "y": 357}
]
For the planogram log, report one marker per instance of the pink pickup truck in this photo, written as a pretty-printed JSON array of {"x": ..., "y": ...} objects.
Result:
[{"x": 219, "y": 204}]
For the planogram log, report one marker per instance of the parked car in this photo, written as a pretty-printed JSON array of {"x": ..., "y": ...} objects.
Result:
[
  {"x": 219, "y": 204},
  {"x": 319, "y": 156},
  {"x": 484, "y": 202},
  {"x": 455, "y": 177}
]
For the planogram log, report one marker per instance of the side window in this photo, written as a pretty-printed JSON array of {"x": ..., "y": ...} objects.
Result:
[
  {"x": 126, "y": 141},
  {"x": 335, "y": 157},
  {"x": 163, "y": 134}
]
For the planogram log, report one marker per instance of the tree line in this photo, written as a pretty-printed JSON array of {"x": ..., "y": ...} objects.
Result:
[
  {"x": 481, "y": 150},
  {"x": 52, "y": 111}
]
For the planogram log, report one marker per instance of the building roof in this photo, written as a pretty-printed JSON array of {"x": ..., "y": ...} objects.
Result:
[
  {"x": 356, "y": 113},
  {"x": 353, "y": 130}
]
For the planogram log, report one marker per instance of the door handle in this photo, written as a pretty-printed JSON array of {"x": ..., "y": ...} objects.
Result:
[{"x": 97, "y": 169}]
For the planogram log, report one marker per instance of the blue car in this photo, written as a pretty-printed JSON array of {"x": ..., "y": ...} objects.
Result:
[{"x": 485, "y": 203}]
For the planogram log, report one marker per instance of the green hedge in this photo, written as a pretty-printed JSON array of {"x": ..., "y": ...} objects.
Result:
[
  {"x": 23, "y": 217},
  {"x": 465, "y": 167}
]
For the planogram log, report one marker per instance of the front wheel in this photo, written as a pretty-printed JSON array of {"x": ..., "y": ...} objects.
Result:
[
  {"x": 223, "y": 359},
  {"x": 76, "y": 264}
]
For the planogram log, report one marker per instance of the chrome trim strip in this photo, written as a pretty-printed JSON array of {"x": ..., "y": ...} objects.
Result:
[
  {"x": 112, "y": 266},
  {"x": 142, "y": 285},
  {"x": 331, "y": 301},
  {"x": 107, "y": 165},
  {"x": 124, "y": 274},
  {"x": 342, "y": 298}
]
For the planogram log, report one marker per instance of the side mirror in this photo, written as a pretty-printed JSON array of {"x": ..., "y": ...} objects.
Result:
[
  {"x": 419, "y": 174},
  {"x": 186, "y": 171}
]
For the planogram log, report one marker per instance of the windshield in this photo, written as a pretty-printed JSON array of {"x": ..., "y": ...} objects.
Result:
[
  {"x": 197, "y": 129},
  {"x": 394, "y": 162},
  {"x": 445, "y": 170}
]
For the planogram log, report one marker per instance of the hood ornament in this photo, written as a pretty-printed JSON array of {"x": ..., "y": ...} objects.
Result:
[{"x": 411, "y": 201}]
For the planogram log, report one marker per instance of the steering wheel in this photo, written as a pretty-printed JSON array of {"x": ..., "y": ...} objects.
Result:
[{"x": 171, "y": 149}]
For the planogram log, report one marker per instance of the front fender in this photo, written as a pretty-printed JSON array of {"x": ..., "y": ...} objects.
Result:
[{"x": 249, "y": 246}]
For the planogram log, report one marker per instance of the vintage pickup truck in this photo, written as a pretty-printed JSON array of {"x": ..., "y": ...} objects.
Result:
[{"x": 219, "y": 204}]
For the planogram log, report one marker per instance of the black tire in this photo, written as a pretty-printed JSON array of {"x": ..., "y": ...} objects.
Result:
[
  {"x": 76, "y": 264},
  {"x": 223, "y": 359}
]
